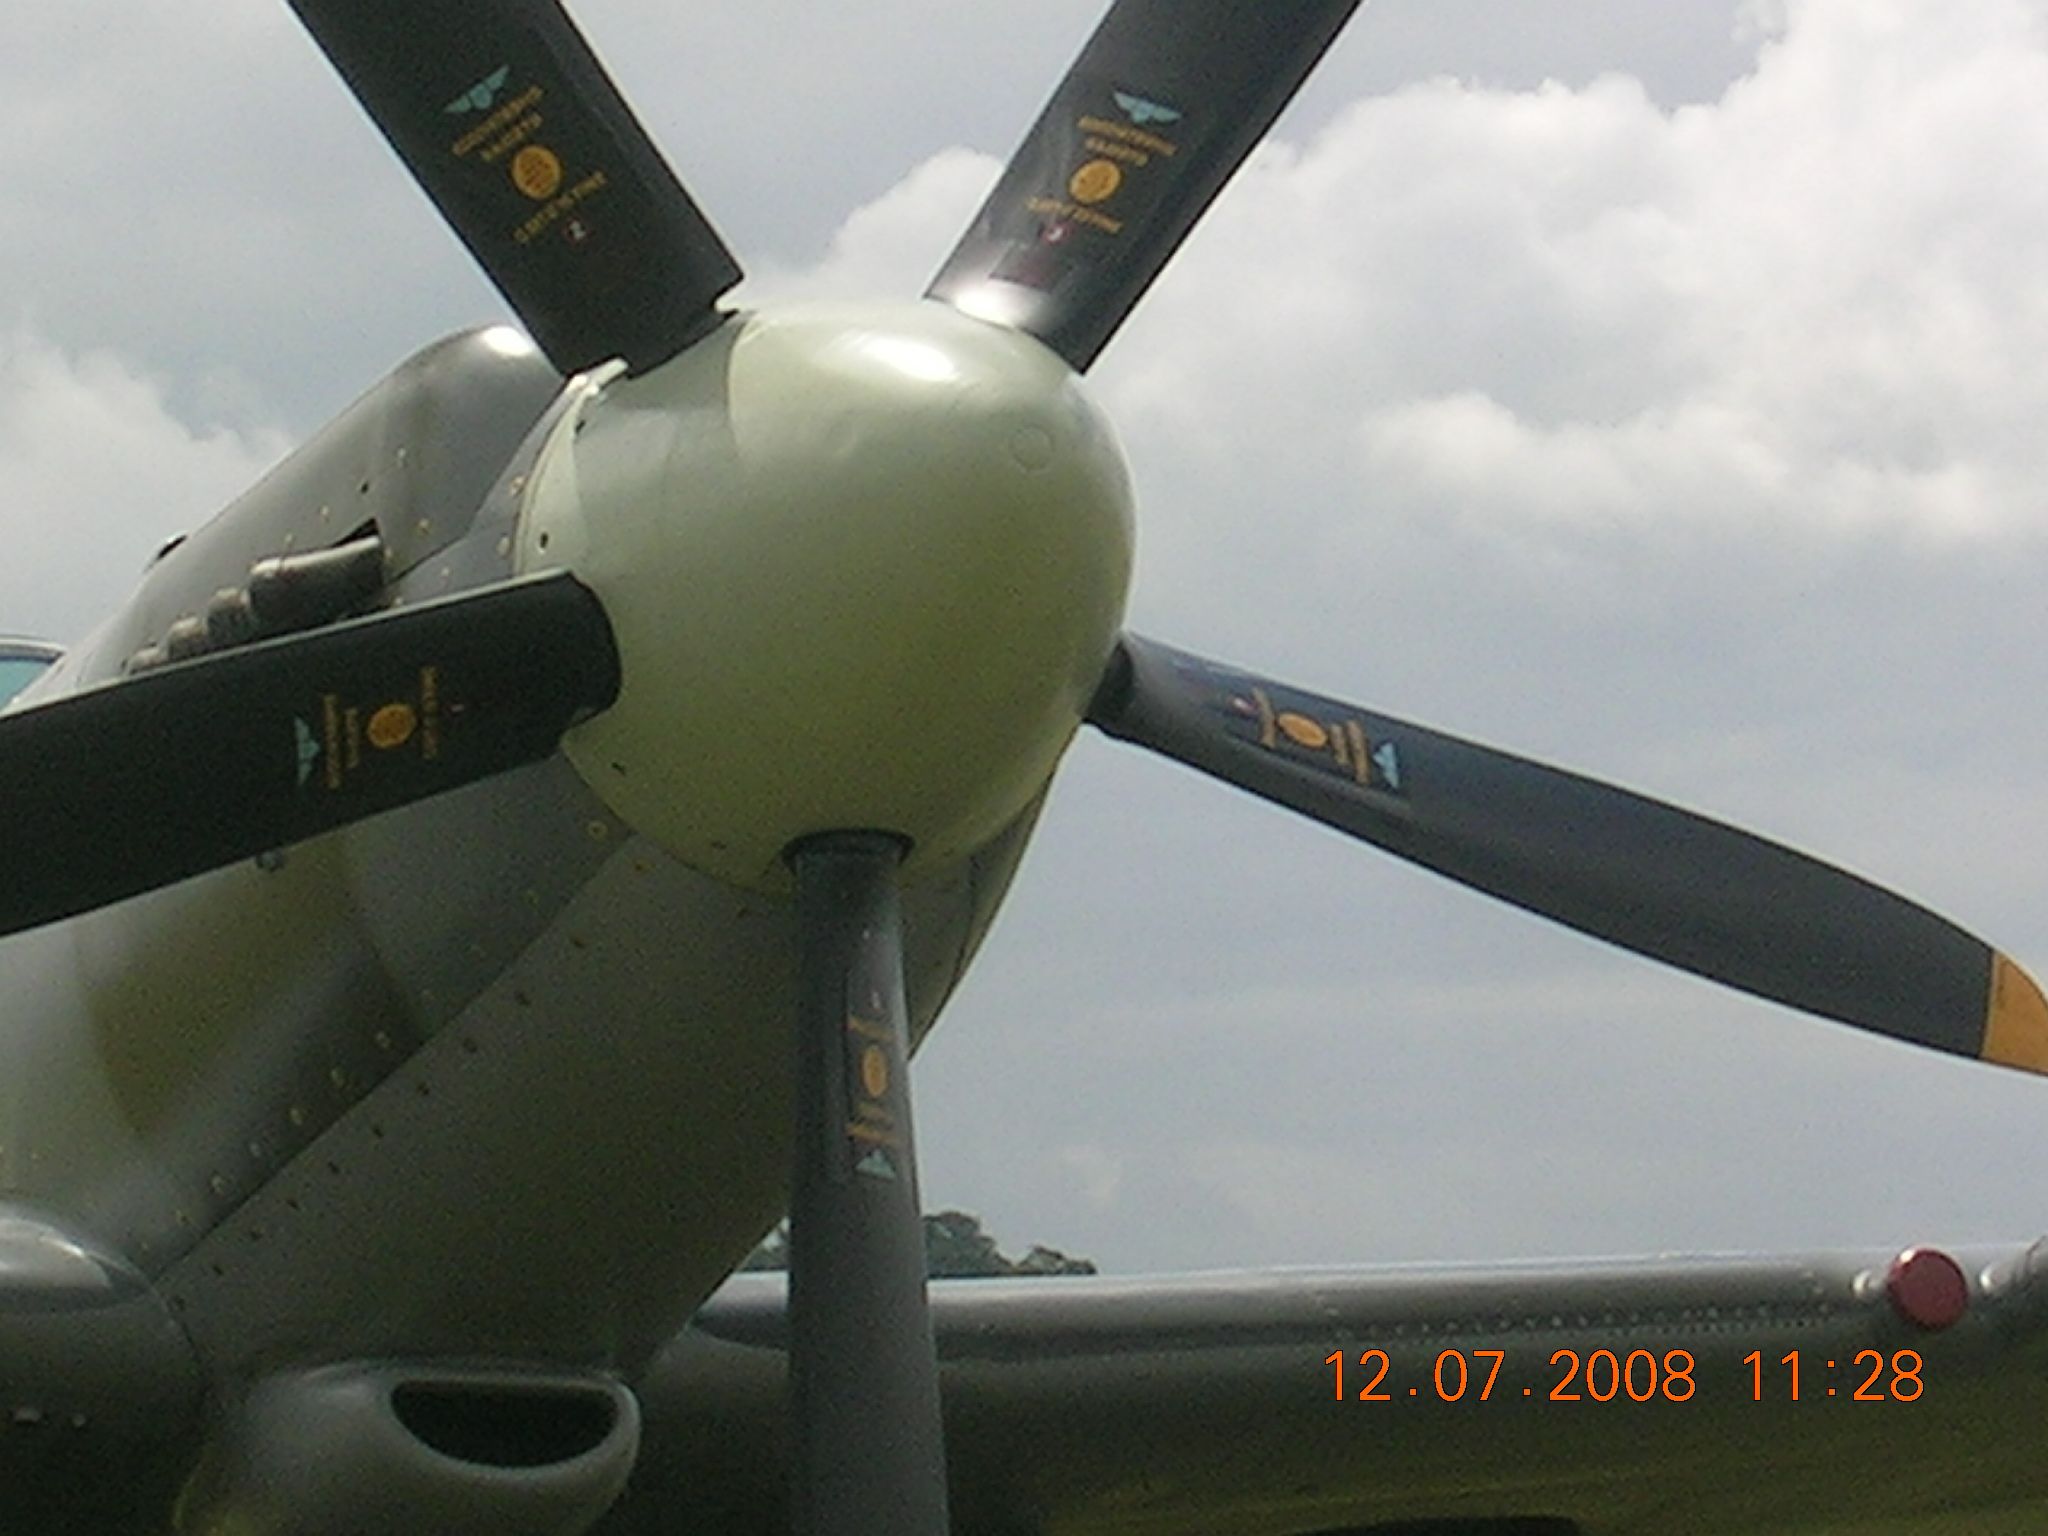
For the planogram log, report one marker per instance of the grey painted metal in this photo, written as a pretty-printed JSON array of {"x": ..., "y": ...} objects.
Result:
[
  {"x": 1202, "y": 1403},
  {"x": 394, "y": 1448},
  {"x": 426, "y": 1003},
  {"x": 82, "y": 1334},
  {"x": 482, "y": 550},
  {"x": 617, "y": 994},
  {"x": 1692, "y": 893},
  {"x": 264, "y": 981},
  {"x": 501, "y": 1081},
  {"x": 415, "y": 455},
  {"x": 868, "y": 1445},
  {"x": 96, "y": 1377},
  {"x": 232, "y": 1080}
]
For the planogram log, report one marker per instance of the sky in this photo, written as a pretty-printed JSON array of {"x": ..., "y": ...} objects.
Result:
[{"x": 1655, "y": 390}]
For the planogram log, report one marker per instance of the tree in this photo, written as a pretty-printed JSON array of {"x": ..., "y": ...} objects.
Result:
[{"x": 955, "y": 1247}]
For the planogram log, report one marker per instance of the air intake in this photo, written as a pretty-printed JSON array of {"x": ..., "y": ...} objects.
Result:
[
  {"x": 396, "y": 1448},
  {"x": 497, "y": 1425}
]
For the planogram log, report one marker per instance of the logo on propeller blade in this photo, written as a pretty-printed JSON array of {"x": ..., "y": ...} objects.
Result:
[
  {"x": 478, "y": 97},
  {"x": 1140, "y": 111},
  {"x": 308, "y": 748},
  {"x": 1338, "y": 745},
  {"x": 1388, "y": 760}
]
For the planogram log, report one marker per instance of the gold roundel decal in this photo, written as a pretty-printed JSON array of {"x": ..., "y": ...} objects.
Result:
[
  {"x": 1096, "y": 181},
  {"x": 874, "y": 1071},
  {"x": 1304, "y": 732},
  {"x": 537, "y": 172},
  {"x": 392, "y": 727}
]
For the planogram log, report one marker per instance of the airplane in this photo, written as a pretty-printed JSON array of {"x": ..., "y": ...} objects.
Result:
[{"x": 394, "y": 1073}]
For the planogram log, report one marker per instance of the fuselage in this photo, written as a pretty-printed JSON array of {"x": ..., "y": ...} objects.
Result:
[{"x": 505, "y": 1074}]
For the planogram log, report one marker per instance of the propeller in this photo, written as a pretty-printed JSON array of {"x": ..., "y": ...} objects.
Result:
[
  {"x": 869, "y": 1452},
  {"x": 139, "y": 783},
  {"x": 511, "y": 126},
  {"x": 1162, "y": 106},
  {"x": 1693, "y": 893},
  {"x": 513, "y": 129},
  {"x": 1156, "y": 115}
]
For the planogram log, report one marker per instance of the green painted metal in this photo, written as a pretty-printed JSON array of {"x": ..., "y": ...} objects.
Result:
[{"x": 865, "y": 564}]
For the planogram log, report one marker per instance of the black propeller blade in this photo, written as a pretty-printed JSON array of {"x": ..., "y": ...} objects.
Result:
[
  {"x": 1650, "y": 877},
  {"x": 864, "y": 1390},
  {"x": 137, "y": 784},
  {"x": 513, "y": 128},
  {"x": 1161, "y": 108}
]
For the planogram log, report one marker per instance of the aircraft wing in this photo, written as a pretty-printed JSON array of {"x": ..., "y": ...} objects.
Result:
[{"x": 1209, "y": 1403}]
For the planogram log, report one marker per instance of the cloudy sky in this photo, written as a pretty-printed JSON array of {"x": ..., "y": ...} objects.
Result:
[{"x": 1653, "y": 389}]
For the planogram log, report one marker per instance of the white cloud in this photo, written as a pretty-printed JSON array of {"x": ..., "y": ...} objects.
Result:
[
  {"x": 1762, "y": 20},
  {"x": 1811, "y": 307},
  {"x": 1696, "y": 448},
  {"x": 95, "y": 473},
  {"x": 1097, "y": 1174},
  {"x": 891, "y": 247}
]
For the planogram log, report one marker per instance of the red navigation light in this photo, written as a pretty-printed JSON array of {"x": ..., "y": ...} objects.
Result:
[{"x": 1927, "y": 1288}]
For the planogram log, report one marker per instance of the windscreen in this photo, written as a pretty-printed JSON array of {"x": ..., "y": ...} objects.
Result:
[{"x": 19, "y": 666}]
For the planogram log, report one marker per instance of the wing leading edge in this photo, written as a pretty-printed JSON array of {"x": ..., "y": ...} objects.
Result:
[{"x": 1209, "y": 1403}]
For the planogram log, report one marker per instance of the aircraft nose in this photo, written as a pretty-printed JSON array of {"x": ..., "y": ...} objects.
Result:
[{"x": 865, "y": 565}]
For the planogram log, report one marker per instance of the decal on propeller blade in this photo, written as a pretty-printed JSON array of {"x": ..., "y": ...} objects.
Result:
[
  {"x": 1099, "y": 159},
  {"x": 389, "y": 728},
  {"x": 1316, "y": 733},
  {"x": 393, "y": 726},
  {"x": 1339, "y": 747},
  {"x": 504, "y": 129},
  {"x": 1102, "y": 133},
  {"x": 1096, "y": 181},
  {"x": 577, "y": 231},
  {"x": 478, "y": 97},
  {"x": 1074, "y": 213},
  {"x": 874, "y": 1118},
  {"x": 874, "y": 1071},
  {"x": 537, "y": 171},
  {"x": 1042, "y": 266},
  {"x": 330, "y": 738},
  {"x": 1388, "y": 761},
  {"x": 1141, "y": 111},
  {"x": 308, "y": 749},
  {"x": 1304, "y": 732},
  {"x": 876, "y": 1165}
]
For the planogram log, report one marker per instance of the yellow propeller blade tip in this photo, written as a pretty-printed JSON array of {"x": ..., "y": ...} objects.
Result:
[{"x": 2016, "y": 1021}]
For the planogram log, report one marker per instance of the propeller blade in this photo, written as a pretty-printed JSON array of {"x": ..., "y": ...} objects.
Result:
[
  {"x": 1163, "y": 105},
  {"x": 864, "y": 1388},
  {"x": 143, "y": 782},
  {"x": 509, "y": 123},
  {"x": 1652, "y": 878}
]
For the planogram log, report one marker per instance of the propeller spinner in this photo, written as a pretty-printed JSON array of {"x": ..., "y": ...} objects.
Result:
[{"x": 853, "y": 576}]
